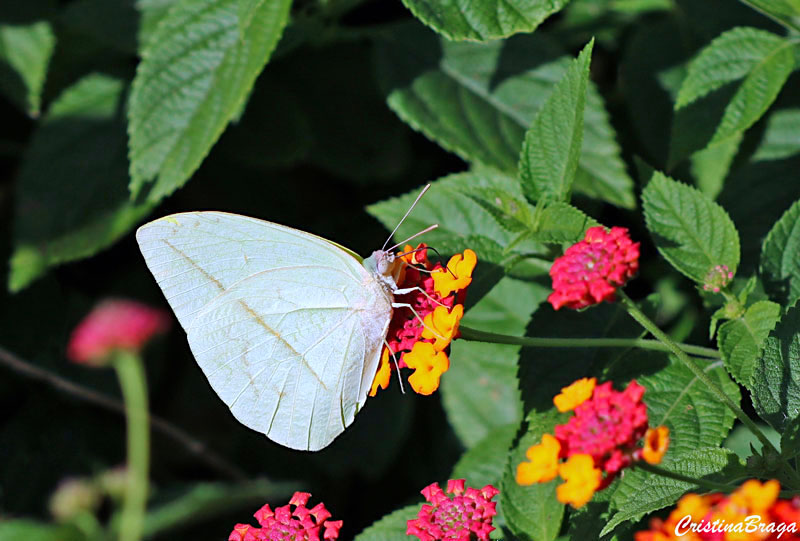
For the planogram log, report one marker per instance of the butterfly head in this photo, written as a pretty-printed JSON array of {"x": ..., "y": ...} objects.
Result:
[{"x": 385, "y": 266}]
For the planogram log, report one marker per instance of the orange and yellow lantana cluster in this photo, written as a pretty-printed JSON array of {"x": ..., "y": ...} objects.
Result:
[
  {"x": 419, "y": 336},
  {"x": 599, "y": 440}
]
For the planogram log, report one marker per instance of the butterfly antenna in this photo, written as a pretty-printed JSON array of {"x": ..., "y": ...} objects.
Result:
[
  {"x": 415, "y": 235},
  {"x": 414, "y": 204}
]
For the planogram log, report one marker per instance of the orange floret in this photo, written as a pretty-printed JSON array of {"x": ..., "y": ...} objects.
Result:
[
  {"x": 656, "y": 441},
  {"x": 543, "y": 465},
  {"x": 383, "y": 375},
  {"x": 582, "y": 480},
  {"x": 444, "y": 323},
  {"x": 458, "y": 274},
  {"x": 575, "y": 394},
  {"x": 428, "y": 365},
  {"x": 755, "y": 497}
]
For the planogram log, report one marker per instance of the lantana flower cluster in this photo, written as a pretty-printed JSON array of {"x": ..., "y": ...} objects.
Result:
[
  {"x": 601, "y": 439},
  {"x": 420, "y": 340},
  {"x": 115, "y": 324},
  {"x": 287, "y": 524},
  {"x": 753, "y": 512},
  {"x": 466, "y": 515},
  {"x": 590, "y": 271}
]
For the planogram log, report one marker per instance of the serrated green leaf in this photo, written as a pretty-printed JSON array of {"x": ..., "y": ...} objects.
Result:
[
  {"x": 710, "y": 166},
  {"x": 676, "y": 398},
  {"x": 731, "y": 56},
  {"x": 197, "y": 70},
  {"x": 58, "y": 219},
  {"x": 740, "y": 340},
  {"x": 561, "y": 222},
  {"x": 781, "y": 138},
  {"x": 392, "y": 527},
  {"x": 756, "y": 94},
  {"x": 531, "y": 512},
  {"x": 29, "y": 530},
  {"x": 776, "y": 379},
  {"x": 460, "y": 218},
  {"x": 641, "y": 492},
  {"x": 477, "y": 100},
  {"x": 151, "y": 13},
  {"x": 480, "y": 391},
  {"x": 785, "y": 11},
  {"x": 483, "y": 463},
  {"x": 512, "y": 213},
  {"x": 489, "y": 19},
  {"x": 25, "y": 52},
  {"x": 691, "y": 231},
  {"x": 552, "y": 147},
  {"x": 780, "y": 258},
  {"x": 790, "y": 439}
]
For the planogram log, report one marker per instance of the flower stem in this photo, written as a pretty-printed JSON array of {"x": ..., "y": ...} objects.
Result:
[
  {"x": 130, "y": 372},
  {"x": 711, "y": 485},
  {"x": 715, "y": 389},
  {"x": 475, "y": 335}
]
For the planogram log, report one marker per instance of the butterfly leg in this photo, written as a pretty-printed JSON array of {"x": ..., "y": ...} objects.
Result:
[
  {"x": 397, "y": 366},
  {"x": 406, "y": 305},
  {"x": 417, "y": 288}
]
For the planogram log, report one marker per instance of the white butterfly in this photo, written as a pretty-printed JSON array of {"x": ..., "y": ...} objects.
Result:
[{"x": 288, "y": 327}]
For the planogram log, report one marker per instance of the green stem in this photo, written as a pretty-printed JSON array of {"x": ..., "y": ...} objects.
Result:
[
  {"x": 711, "y": 485},
  {"x": 475, "y": 335},
  {"x": 715, "y": 389},
  {"x": 130, "y": 371}
]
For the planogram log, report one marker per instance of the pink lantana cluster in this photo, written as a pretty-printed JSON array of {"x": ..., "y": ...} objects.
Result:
[
  {"x": 287, "y": 524},
  {"x": 717, "y": 278},
  {"x": 467, "y": 515},
  {"x": 590, "y": 271},
  {"x": 115, "y": 324}
]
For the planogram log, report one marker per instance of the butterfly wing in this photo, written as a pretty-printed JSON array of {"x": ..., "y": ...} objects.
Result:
[{"x": 287, "y": 327}]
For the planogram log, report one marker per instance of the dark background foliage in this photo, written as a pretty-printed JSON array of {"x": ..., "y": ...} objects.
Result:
[{"x": 315, "y": 145}]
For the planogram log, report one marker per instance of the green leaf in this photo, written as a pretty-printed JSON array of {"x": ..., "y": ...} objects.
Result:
[
  {"x": 740, "y": 340},
  {"x": 72, "y": 198},
  {"x": 561, "y": 222},
  {"x": 785, "y": 11},
  {"x": 691, "y": 231},
  {"x": 756, "y": 94},
  {"x": 480, "y": 391},
  {"x": 781, "y": 138},
  {"x": 532, "y": 512},
  {"x": 711, "y": 165},
  {"x": 460, "y": 218},
  {"x": 743, "y": 442},
  {"x": 544, "y": 371},
  {"x": 484, "y": 20},
  {"x": 213, "y": 499},
  {"x": 483, "y": 463},
  {"x": 676, "y": 398},
  {"x": 392, "y": 527},
  {"x": 197, "y": 70},
  {"x": 29, "y": 530},
  {"x": 477, "y": 100},
  {"x": 25, "y": 53},
  {"x": 790, "y": 439},
  {"x": 731, "y": 56},
  {"x": 552, "y": 147},
  {"x": 780, "y": 258},
  {"x": 512, "y": 213},
  {"x": 642, "y": 492},
  {"x": 776, "y": 379}
]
